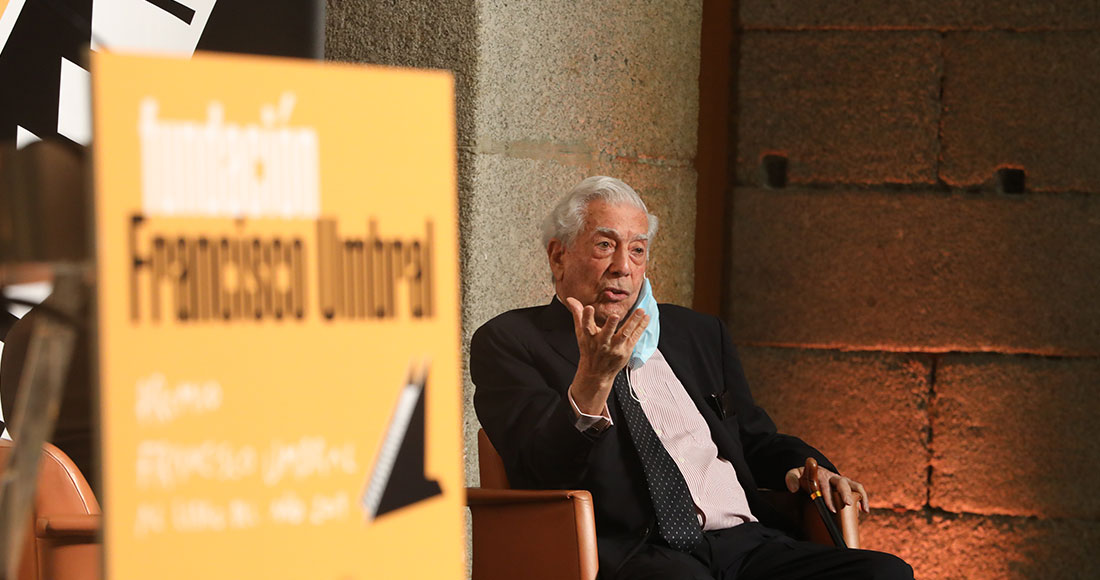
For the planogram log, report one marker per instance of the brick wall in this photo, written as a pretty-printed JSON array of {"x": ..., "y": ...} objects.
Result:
[{"x": 898, "y": 298}]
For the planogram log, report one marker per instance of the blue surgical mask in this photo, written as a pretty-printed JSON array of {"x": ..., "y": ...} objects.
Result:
[{"x": 647, "y": 344}]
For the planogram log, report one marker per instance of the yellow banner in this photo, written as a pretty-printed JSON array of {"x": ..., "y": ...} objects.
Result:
[{"x": 277, "y": 319}]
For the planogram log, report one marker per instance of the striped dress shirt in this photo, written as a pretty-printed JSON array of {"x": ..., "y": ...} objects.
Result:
[{"x": 720, "y": 500}]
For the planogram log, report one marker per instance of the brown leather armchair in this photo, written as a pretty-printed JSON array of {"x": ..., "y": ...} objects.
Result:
[
  {"x": 551, "y": 534},
  {"x": 62, "y": 541}
]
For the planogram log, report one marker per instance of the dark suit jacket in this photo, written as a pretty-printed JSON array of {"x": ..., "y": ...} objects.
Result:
[{"x": 522, "y": 363}]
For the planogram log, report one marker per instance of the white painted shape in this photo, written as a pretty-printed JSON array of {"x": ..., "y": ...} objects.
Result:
[
  {"x": 74, "y": 103},
  {"x": 139, "y": 26},
  {"x": 33, "y": 292},
  {"x": 24, "y": 137},
  {"x": 7, "y": 20}
]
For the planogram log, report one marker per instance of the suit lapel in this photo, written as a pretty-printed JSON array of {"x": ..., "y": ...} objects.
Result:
[
  {"x": 557, "y": 322},
  {"x": 676, "y": 347}
]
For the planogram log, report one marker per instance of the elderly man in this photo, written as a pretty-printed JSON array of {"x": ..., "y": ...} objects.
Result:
[{"x": 646, "y": 407}]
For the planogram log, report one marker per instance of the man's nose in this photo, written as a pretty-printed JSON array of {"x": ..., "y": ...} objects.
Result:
[{"x": 620, "y": 262}]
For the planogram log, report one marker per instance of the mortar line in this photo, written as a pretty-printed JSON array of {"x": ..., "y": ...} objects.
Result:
[
  {"x": 930, "y": 412},
  {"x": 940, "y": 188},
  {"x": 929, "y": 512},
  {"x": 941, "y": 184},
  {"x": 885, "y": 28},
  {"x": 916, "y": 351}
]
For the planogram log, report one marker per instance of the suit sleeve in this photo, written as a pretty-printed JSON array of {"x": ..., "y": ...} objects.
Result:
[
  {"x": 528, "y": 420},
  {"x": 770, "y": 454}
]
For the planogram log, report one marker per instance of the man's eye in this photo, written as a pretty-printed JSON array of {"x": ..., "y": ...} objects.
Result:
[
  {"x": 603, "y": 245},
  {"x": 639, "y": 251}
]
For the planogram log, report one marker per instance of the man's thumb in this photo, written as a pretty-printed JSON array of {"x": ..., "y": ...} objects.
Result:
[{"x": 792, "y": 479}]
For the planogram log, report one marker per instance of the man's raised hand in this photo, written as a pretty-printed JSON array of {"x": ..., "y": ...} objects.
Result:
[{"x": 604, "y": 351}]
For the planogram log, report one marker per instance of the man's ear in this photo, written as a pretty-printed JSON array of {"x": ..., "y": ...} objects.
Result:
[{"x": 555, "y": 251}]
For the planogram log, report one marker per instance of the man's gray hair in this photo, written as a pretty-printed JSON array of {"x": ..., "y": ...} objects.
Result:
[{"x": 566, "y": 220}]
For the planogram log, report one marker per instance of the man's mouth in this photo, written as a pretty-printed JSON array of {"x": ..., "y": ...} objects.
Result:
[{"x": 614, "y": 294}]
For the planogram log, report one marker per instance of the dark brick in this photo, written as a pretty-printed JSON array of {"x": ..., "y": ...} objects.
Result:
[
  {"x": 947, "y": 547},
  {"x": 937, "y": 14},
  {"x": 866, "y": 412},
  {"x": 1013, "y": 435},
  {"x": 1022, "y": 100},
  {"x": 910, "y": 271},
  {"x": 843, "y": 107}
]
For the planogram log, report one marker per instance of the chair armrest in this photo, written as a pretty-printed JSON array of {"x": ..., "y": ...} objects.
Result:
[
  {"x": 69, "y": 526},
  {"x": 847, "y": 517},
  {"x": 479, "y": 496},
  {"x": 799, "y": 508},
  {"x": 532, "y": 534}
]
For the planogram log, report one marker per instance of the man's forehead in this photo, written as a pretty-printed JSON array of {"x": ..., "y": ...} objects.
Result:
[{"x": 602, "y": 214}]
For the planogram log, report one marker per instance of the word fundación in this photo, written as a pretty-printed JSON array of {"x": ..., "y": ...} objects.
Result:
[{"x": 225, "y": 268}]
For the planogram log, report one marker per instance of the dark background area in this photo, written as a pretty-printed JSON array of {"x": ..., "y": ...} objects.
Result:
[{"x": 913, "y": 273}]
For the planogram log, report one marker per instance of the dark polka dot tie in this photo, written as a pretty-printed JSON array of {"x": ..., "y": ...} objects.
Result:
[{"x": 676, "y": 520}]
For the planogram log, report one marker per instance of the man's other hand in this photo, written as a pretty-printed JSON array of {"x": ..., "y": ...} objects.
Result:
[
  {"x": 828, "y": 482},
  {"x": 604, "y": 351}
]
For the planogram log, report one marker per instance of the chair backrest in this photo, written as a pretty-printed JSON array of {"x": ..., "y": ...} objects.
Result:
[
  {"x": 490, "y": 464},
  {"x": 60, "y": 490}
]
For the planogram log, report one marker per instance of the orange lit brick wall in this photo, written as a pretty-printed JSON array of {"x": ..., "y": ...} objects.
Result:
[{"x": 915, "y": 270}]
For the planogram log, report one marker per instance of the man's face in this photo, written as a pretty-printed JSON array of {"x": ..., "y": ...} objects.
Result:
[{"x": 605, "y": 265}]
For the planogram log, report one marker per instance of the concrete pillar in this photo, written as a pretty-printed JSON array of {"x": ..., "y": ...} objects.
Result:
[{"x": 549, "y": 92}]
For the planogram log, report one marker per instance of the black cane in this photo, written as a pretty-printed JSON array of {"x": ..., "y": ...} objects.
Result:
[{"x": 819, "y": 501}]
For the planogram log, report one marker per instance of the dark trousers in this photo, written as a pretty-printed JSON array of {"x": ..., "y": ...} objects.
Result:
[{"x": 754, "y": 552}]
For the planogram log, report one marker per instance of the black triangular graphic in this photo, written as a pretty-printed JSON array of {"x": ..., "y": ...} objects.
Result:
[
  {"x": 408, "y": 484},
  {"x": 184, "y": 13},
  {"x": 30, "y": 64}
]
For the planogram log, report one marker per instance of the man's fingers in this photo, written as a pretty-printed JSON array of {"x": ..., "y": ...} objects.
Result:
[
  {"x": 576, "y": 309},
  {"x": 826, "y": 489},
  {"x": 634, "y": 327},
  {"x": 864, "y": 501},
  {"x": 830, "y": 484},
  {"x": 844, "y": 490},
  {"x": 584, "y": 317},
  {"x": 792, "y": 479},
  {"x": 608, "y": 329},
  {"x": 588, "y": 321},
  {"x": 639, "y": 330},
  {"x": 640, "y": 322}
]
